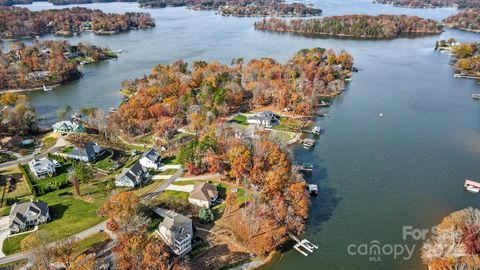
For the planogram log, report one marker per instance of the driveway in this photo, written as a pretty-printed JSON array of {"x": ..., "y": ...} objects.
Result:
[
  {"x": 185, "y": 188},
  {"x": 4, "y": 232}
]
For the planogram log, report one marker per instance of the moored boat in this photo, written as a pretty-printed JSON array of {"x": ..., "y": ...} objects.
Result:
[
  {"x": 47, "y": 88},
  {"x": 472, "y": 186},
  {"x": 476, "y": 95}
]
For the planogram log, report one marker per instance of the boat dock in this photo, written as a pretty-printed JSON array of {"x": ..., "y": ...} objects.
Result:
[
  {"x": 303, "y": 246},
  {"x": 476, "y": 96},
  {"x": 308, "y": 143},
  {"x": 313, "y": 189},
  {"x": 305, "y": 167},
  {"x": 464, "y": 76}
]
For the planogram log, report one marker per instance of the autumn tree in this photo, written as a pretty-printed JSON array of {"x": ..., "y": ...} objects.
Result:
[{"x": 65, "y": 249}]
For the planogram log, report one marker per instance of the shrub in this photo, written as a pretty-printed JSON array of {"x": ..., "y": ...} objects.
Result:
[{"x": 206, "y": 215}]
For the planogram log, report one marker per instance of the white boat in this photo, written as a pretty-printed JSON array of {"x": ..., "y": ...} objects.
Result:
[
  {"x": 380, "y": 115},
  {"x": 112, "y": 110},
  {"x": 472, "y": 186},
  {"x": 476, "y": 96},
  {"x": 47, "y": 88}
]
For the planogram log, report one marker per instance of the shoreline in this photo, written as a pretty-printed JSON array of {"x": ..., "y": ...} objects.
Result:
[{"x": 19, "y": 90}]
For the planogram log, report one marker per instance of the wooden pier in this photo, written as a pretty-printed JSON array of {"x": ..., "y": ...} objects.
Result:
[
  {"x": 463, "y": 76},
  {"x": 308, "y": 143},
  {"x": 303, "y": 246}
]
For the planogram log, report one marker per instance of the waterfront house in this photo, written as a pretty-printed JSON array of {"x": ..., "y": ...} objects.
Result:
[
  {"x": 37, "y": 75},
  {"x": 135, "y": 176},
  {"x": 151, "y": 159},
  {"x": 43, "y": 168},
  {"x": 266, "y": 118},
  {"x": 90, "y": 153},
  {"x": 68, "y": 127},
  {"x": 203, "y": 195},
  {"x": 28, "y": 214},
  {"x": 176, "y": 231}
]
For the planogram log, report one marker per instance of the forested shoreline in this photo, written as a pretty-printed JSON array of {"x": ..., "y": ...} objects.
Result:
[
  {"x": 467, "y": 19},
  {"x": 431, "y": 3},
  {"x": 355, "y": 26},
  {"x": 18, "y": 22},
  {"x": 46, "y": 63}
]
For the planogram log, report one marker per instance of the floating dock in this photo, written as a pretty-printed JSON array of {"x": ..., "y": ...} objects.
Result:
[
  {"x": 313, "y": 189},
  {"x": 308, "y": 143},
  {"x": 472, "y": 186}
]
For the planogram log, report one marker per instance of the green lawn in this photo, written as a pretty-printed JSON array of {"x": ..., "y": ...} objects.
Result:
[
  {"x": 69, "y": 214},
  {"x": 287, "y": 124},
  {"x": 166, "y": 172},
  {"x": 43, "y": 186},
  {"x": 67, "y": 149},
  {"x": 240, "y": 119},
  {"x": 105, "y": 164},
  {"x": 87, "y": 242},
  {"x": 175, "y": 194},
  {"x": 185, "y": 183},
  {"x": 48, "y": 143},
  {"x": 4, "y": 157},
  {"x": 12, "y": 243},
  {"x": 170, "y": 160}
]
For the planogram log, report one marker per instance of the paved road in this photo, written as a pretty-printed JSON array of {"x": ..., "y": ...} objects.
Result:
[
  {"x": 36, "y": 154},
  {"x": 162, "y": 186}
]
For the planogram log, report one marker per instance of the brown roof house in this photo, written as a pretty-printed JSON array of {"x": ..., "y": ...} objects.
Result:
[{"x": 203, "y": 195}]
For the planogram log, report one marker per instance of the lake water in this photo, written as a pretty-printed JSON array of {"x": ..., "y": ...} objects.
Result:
[{"x": 376, "y": 175}]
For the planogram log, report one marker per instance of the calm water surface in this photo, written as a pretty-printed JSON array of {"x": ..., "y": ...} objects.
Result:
[{"x": 376, "y": 175}]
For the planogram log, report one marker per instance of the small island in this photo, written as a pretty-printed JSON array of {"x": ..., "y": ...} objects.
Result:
[
  {"x": 46, "y": 63},
  {"x": 17, "y": 23},
  {"x": 431, "y": 3},
  {"x": 467, "y": 20},
  {"x": 466, "y": 57},
  {"x": 355, "y": 26}
]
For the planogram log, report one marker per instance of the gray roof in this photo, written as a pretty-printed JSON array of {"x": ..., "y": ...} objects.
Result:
[
  {"x": 91, "y": 150},
  {"x": 135, "y": 173},
  {"x": 175, "y": 222},
  {"x": 264, "y": 116},
  {"x": 152, "y": 155},
  {"x": 19, "y": 212},
  {"x": 204, "y": 191}
]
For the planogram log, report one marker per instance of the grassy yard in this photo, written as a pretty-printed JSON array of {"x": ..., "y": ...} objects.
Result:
[
  {"x": 70, "y": 215},
  {"x": 105, "y": 164},
  {"x": 144, "y": 139},
  {"x": 87, "y": 242},
  {"x": 174, "y": 194},
  {"x": 240, "y": 119},
  {"x": 147, "y": 188},
  {"x": 170, "y": 160},
  {"x": 43, "y": 186},
  {"x": 48, "y": 143},
  {"x": 288, "y": 124},
  {"x": 12, "y": 243},
  {"x": 185, "y": 183},
  {"x": 166, "y": 172},
  {"x": 4, "y": 157},
  {"x": 21, "y": 187},
  {"x": 67, "y": 149}
]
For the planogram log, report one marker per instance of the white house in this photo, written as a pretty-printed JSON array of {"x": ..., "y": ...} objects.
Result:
[
  {"x": 176, "y": 231},
  {"x": 203, "y": 195},
  {"x": 266, "y": 118},
  {"x": 42, "y": 168},
  {"x": 151, "y": 159},
  {"x": 28, "y": 214}
]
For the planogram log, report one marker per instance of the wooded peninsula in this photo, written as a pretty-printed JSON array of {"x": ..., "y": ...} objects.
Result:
[
  {"x": 18, "y": 22},
  {"x": 431, "y": 3},
  {"x": 467, "y": 19},
  {"x": 355, "y": 26},
  {"x": 46, "y": 63},
  {"x": 467, "y": 56}
]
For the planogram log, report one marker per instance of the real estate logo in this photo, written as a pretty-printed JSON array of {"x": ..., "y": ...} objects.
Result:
[{"x": 375, "y": 249}]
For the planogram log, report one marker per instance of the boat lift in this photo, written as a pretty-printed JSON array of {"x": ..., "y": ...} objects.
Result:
[{"x": 303, "y": 246}]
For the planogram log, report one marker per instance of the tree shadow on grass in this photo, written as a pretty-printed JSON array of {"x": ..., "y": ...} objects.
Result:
[{"x": 57, "y": 211}]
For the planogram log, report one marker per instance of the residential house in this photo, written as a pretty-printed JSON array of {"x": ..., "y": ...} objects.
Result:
[
  {"x": 151, "y": 159},
  {"x": 68, "y": 127},
  {"x": 133, "y": 177},
  {"x": 28, "y": 214},
  {"x": 203, "y": 195},
  {"x": 90, "y": 153},
  {"x": 176, "y": 231},
  {"x": 266, "y": 118},
  {"x": 37, "y": 75},
  {"x": 42, "y": 168}
]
